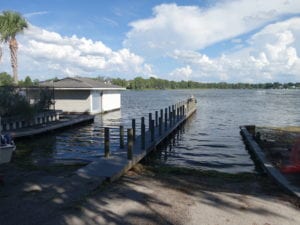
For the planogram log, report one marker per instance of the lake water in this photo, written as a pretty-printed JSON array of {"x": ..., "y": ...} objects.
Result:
[{"x": 209, "y": 140}]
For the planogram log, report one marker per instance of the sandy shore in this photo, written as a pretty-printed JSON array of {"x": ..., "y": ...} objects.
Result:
[{"x": 156, "y": 196}]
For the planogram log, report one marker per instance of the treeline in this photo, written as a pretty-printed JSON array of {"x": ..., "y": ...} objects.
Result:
[
  {"x": 7, "y": 80},
  {"x": 140, "y": 83}
]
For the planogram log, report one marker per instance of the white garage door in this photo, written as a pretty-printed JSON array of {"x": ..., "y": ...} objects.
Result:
[{"x": 96, "y": 101}]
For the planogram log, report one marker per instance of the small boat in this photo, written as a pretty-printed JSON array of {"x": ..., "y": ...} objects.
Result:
[
  {"x": 6, "y": 152},
  {"x": 7, "y": 147}
]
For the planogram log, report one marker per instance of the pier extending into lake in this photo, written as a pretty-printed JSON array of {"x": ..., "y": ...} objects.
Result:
[{"x": 159, "y": 126}]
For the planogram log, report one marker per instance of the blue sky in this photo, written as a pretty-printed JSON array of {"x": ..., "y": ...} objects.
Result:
[{"x": 206, "y": 41}]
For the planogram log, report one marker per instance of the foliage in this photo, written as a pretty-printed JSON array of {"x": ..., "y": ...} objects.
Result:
[
  {"x": 11, "y": 24},
  {"x": 140, "y": 83},
  {"x": 5, "y": 79},
  {"x": 45, "y": 100},
  {"x": 13, "y": 102},
  {"x": 28, "y": 82}
]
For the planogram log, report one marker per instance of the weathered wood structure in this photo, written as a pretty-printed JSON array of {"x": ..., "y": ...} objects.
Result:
[{"x": 112, "y": 165}]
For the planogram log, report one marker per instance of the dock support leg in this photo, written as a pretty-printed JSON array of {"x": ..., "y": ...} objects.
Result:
[
  {"x": 106, "y": 142},
  {"x": 160, "y": 126},
  {"x": 129, "y": 143},
  {"x": 150, "y": 119},
  {"x": 152, "y": 129},
  {"x": 143, "y": 128},
  {"x": 133, "y": 128},
  {"x": 121, "y": 137},
  {"x": 166, "y": 118}
]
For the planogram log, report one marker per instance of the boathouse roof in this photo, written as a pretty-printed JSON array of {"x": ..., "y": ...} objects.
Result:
[{"x": 80, "y": 83}]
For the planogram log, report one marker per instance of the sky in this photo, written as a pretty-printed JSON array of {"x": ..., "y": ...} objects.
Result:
[{"x": 232, "y": 41}]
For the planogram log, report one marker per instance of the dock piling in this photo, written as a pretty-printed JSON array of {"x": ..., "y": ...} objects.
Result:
[
  {"x": 156, "y": 118},
  {"x": 166, "y": 118},
  {"x": 152, "y": 130},
  {"x": 160, "y": 126},
  {"x": 133, "y": 128},
  {"x": 121, "y": 137},
  {"x": 129, "y": 143},
  {"x": 143, "y": 128},
  {"x": 150, "y": 119},
  {"x": 106, "y": 142}
]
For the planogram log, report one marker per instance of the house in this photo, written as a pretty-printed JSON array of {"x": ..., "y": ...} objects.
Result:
[{"x": 85, "y": 95}]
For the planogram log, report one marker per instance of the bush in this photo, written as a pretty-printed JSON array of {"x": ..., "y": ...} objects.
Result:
[{"x": 13, "y": 103}]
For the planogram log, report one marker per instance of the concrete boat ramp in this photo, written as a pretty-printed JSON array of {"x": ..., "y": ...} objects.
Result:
[{"x": 248, "y": 132}]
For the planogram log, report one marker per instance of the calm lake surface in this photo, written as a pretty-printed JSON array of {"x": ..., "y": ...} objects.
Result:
[{"x": 209, "y": 140}]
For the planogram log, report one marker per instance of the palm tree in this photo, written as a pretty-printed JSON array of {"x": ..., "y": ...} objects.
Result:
[{"x": 11, "y": 24}]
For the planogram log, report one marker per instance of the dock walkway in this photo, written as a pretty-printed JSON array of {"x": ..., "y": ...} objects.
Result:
[
  {"x": 112, "y": 167},
  {"x": 65, "y": 121}
]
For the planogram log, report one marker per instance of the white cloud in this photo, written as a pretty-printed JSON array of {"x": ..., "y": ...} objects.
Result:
[
  {"x": 44, "y": 54},
  {"x": 194, "y": 28},
  {"x": 28, "y": 15},
  {"x": 272, "y": 55},
  {"x": 182, "y": 73}
]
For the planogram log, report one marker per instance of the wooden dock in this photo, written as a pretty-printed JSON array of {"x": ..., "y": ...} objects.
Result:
[
  {"x": 64, "y": 122},
  {"x": 164, "y": 123}
]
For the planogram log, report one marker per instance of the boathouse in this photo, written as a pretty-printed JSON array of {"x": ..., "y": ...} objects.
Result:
[{"x": 85, "y": 95}]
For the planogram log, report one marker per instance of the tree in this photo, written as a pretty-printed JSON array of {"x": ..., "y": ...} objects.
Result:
[
  {"x": 11, "y": 24},
  {"x": 5, "y": 79}
]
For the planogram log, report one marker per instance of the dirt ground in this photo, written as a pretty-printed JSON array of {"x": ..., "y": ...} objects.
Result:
[{"x": 149, "y": 195}]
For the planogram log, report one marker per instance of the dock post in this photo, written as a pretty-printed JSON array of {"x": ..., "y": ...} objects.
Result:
[
  {"x": 133, "y": 129},
  {"x": 121, "y": 137},
  {"x": 159, "y": 125},
  {"x": 143, "y": 133},
  {"x": 129, "y": 143},
  {"x": 166, "y": 118},
  {"x": 152, "y": 129},
  {"x": 170, "y": 116},
  {"x": 106, "y": 142},
  {"x": 156, "y": 118},
  {"x": 174, "y": 114},
  {"x": 150, "y": 119},
  {"x": 161, "y": 114}
]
